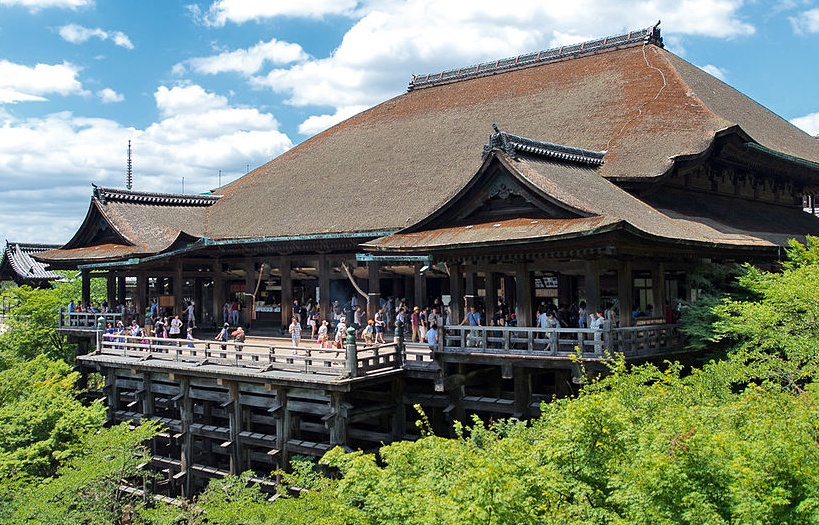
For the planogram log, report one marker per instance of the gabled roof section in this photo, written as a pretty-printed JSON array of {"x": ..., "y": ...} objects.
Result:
[
  {"x": 125, "y": 223},
  {"x": 18, "y": 265},
  {"x": 576, "y": 201},
  {"x": 649, "y": 35},
  {"x": 498, "y": 192}
]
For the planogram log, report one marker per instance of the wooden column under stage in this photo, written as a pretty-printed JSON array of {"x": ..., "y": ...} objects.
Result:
[{"x": 186, "y": 419}]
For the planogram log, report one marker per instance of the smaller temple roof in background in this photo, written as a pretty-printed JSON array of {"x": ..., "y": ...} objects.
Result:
[{"x": 19, "y": 266}]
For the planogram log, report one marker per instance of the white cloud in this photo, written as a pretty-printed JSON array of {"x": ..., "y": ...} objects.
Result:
[
  {"x": 806, "y": 22},
  {"x": 246, "y": 61},
  {"x": 60, "y": 155},
  {"x": 19, "y": 83},
  {"x": 393, "y": 39},
  {"x": 808, "y": 123},
  {"x": 37, "y": 5},
  {"x": 715, "y": 71},
  {"x": 77, "y": 34},
  {"x": 318, "y": 123},
  {"x": 241, "y": 11},
  {"x": 109, "y": 96}
]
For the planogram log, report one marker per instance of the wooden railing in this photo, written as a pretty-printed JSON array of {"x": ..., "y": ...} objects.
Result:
[
  {"x": 86, "y": 320},
  {"x": 562, "y": 342},
  {"x": 639, "y": 341},
  {"x": 259, "y": 356}
]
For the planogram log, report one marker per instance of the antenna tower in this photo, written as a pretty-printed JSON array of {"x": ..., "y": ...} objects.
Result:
[{"x": 129, "y": 173}]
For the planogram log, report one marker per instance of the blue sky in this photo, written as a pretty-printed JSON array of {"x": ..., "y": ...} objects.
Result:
[{"x": 210, "y": 87}]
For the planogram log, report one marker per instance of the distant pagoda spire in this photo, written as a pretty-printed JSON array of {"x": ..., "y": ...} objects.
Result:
[{"x": 129, "y": 172}]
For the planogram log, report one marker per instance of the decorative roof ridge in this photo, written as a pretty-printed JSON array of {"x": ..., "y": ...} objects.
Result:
[
  {"x": 515, "y": 145},
  {"x": 650, "y": 35},
  {"x": 105, "y": 195},
  {"x": 31, "y": 247}
]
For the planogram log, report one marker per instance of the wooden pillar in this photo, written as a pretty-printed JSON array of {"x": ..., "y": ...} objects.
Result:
[
  {"x": 287, "y": 290},
  {"x": 121, "y": 292},
  {"x": 456, "y": 291},
  {"x": 373, "y": 288},
  {"x": 250, "y": 289},
  {"x": 218, "y": 292},
  {"x": 399, "y": 416},
  {"x": 592, "y": 278},
  {"x": 111, "y": 291},
  {"x": 419, "y": 288},
  {"x": 471, "y": 289},
  {"x": 491, "y": 288},
  {"x": 147, "y": 395},
  {"x": 85, "y": 290},
  {"x": 199, "y": 307},
  {"x": 523, "y": 392},
  {"x": 625, "y": 292},
  {"x": 178, "y": 293},
  {"x": 324, "y": 287},
  {"x": 287, "y": 426},
  {"x": 523, "y": 294},
  {"x": 337, "y": 423},
  {"x": 112, "y": 393},
  {"x": 658, "y": 289},
  {"x": 186, "y": 419},
  {"x": 235, "y": 422},
  {"x": 140, "y": 295}
]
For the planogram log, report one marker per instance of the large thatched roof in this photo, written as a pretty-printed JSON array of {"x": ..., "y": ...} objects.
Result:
[{"x": 394, "y": 164}]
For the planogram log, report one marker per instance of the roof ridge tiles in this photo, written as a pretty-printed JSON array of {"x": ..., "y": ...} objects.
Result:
[
  {"x": 514, "y": 145},
  {"x": 161, "y": 199},
  {"x": 650, "y": 35}
]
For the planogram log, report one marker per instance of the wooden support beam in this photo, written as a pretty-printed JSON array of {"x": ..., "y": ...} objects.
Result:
[
  {"x": 186, "y": 418},
  {"x": 523, "y": 294},
  {"x": 287, "y": 290},
  {"x": 324, "y": 290}
]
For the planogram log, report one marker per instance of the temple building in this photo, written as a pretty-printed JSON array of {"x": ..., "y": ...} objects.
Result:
[
  {"x": 605, "y": 172},
  {"x": 613, "y": 168}
]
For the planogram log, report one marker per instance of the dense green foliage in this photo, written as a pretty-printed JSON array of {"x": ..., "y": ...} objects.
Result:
[{"x": 735, "y": 441}]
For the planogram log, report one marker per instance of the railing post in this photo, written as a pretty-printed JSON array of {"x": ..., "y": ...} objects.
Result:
[
  {"x": 352, "y": 353},
  {"x": 399, "y": 344}
]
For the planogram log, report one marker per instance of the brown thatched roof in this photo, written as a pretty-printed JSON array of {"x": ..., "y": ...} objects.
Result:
[
  {"x": 397, "y": 163},
  {"x": 394, "y": 164},
  {"x": 125, "y": 223}
]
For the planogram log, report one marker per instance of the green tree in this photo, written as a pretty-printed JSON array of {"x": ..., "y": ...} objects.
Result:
[
  {"x": 42, "y": 420},
  {"x": 775, "y": 334},
  {"x": 87, "y": 489}
]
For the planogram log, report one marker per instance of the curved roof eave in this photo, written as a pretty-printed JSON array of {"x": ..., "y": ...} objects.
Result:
[{"x": 94, "y": 210}]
